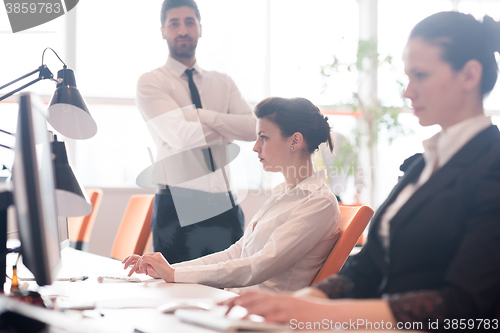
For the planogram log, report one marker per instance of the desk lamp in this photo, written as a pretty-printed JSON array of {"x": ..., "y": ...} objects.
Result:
[
  {"x": 68, "y": 113},
  {"x": 71, "y": 198}
]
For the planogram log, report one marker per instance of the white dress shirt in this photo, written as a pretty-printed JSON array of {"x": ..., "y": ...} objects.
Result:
[
  {"x": 438, "y": 150},
  {"x": 283, "y": 247},
  {"x": 164, "y": 100}
]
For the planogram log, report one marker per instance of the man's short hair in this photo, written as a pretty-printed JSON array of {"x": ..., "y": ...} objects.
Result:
[{"x": 169, "y": 4}]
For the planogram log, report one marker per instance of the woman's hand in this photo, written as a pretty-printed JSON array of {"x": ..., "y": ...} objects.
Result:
[
  {"x": 279, "y": 308},
  {"x": 152, "y": 264},
  {"x": 289, "y": 309}
]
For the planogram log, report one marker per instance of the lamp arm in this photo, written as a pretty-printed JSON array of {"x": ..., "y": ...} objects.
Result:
[
  {"x": 9, "y": 133},
  {"x": 19, "y": 89},
  {"x": 45, "y": 73},
  {"x": 22, "y": 77},
  {"x": 4, "y": 146}
]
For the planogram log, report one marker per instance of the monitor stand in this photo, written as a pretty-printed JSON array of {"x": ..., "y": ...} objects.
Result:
[{"x": 5, "y": 202}]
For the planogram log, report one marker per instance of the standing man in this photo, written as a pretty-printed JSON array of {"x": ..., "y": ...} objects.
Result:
[{"x": 220, "y": 115}]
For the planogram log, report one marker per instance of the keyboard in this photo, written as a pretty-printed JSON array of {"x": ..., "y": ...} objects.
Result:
[{"x": 117, "y": 278}]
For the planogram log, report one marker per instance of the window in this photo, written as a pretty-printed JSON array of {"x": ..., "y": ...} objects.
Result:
[
  {"x": 113, "y": 53},
  {"x": 269, "y": 47}
]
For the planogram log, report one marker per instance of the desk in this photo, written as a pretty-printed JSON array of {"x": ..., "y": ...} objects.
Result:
[
  {"x": 115, "y": 299},
  {"x": 156, "y": 291},
  {"x": 126, "y": 306}
]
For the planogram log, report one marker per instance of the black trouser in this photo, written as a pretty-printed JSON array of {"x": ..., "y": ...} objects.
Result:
[{"x": 178, "y": 243}]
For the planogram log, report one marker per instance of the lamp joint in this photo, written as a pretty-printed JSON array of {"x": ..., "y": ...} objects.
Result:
[{"x": 45, "y": 72}]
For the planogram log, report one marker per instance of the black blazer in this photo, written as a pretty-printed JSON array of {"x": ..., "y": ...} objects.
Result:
[{"x": 446, "y": 238}]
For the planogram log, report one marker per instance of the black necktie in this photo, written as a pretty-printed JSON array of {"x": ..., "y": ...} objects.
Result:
[
  {"x": 195, "y": 98},
  {"x": 207, "y": 152},
  {"x": 195, "y": 95}
]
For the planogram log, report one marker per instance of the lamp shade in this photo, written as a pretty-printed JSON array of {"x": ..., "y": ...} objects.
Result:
[
  {"x": 68, "y": 113},
  {"x": 71, "y": 198}
]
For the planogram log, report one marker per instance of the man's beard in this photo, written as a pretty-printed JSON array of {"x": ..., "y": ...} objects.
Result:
[{"x": 186, "y": 51}]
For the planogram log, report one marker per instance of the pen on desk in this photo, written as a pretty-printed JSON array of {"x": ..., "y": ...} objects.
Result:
[
  {"x": 73, "y": 279},
  {"x": 78, "y": 278}
]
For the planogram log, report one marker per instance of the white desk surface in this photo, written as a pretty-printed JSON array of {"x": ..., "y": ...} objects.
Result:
[
  {"x": 120, "y": 306},
  {"x": 78, "y": 263},
  {"x": 126, "y": 306}
]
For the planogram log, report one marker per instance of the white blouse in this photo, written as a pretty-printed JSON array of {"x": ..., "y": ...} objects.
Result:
[{"x": 283, "y": 247}]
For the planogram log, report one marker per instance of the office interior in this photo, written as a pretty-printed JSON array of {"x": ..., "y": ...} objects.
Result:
[{"x": 268, "y": 47}]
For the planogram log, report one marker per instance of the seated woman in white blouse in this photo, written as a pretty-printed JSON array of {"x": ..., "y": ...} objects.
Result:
[{"x": 289, "y": 238}]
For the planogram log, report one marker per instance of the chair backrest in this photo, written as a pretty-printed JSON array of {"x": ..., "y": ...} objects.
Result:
[
  {"x": 361, "y": 240},
  {"x": 80, "y": 228},
  {"x": 134, "y": 233},
  {"x": 353, "y": 223}
]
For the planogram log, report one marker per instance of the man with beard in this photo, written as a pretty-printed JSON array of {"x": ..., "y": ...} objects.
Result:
[{"x": 163, "y": 98}]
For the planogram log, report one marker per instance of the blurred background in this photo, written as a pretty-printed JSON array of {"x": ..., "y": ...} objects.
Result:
[{"x": 286, "y": 48}]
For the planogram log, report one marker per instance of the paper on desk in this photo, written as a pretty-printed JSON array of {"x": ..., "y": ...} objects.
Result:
[{"x": 217, "y": 321}]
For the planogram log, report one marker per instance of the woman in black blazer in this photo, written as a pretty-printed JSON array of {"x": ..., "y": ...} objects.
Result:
[{"x": 432, "y": 259}]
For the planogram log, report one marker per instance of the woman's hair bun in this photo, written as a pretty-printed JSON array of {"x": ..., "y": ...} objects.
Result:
[
  {"x": 492, "y": 30},
  {"x": 323, "y": 133},
  {"x": 293, "y": 115}
]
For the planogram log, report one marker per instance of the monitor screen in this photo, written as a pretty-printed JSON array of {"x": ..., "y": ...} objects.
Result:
[
  {"x": 62, "y": 225},
  {"x": 34, "y": 193}
]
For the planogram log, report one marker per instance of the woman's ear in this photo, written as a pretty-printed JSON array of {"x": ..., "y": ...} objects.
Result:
[
  {"x": 471, "y": 75},
  {"x": 297, "y": 141}
]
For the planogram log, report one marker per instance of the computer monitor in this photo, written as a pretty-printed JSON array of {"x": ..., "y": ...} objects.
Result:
[
  {"x": 34, "y": 193},
  {"x": 62, "y": 225}
]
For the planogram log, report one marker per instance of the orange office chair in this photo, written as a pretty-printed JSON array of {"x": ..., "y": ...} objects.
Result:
[
  {"x": 134, "y": 233},
  {"x": 361, "y": 239},
  {"x": 353, "y": 223},
  {"x": 80, "y": 228}
]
